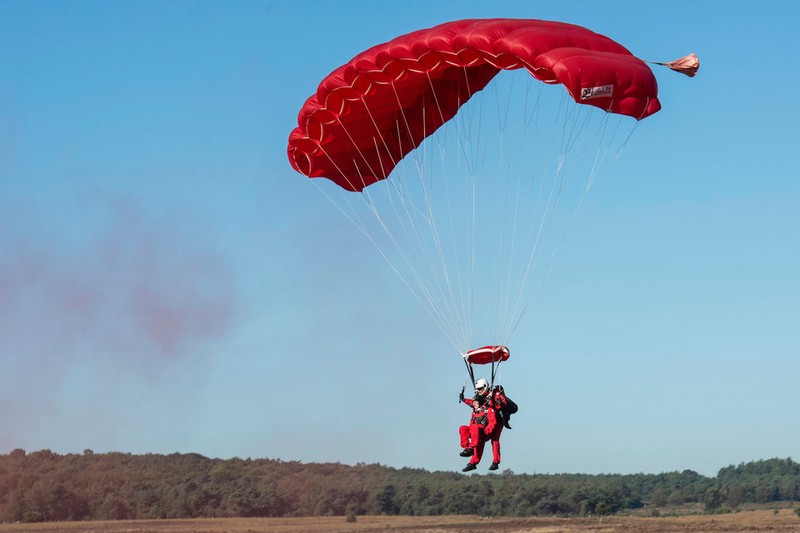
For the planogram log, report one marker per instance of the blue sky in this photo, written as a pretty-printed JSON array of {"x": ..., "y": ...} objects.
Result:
[{"x": 168, "y": 282}]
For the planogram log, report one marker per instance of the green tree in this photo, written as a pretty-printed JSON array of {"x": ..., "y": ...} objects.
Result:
[
  {"x": 712, "y": 500},
  {"x": 387, "y": 500}
]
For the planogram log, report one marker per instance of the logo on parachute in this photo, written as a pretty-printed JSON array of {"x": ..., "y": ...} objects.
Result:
[{"x": 603, "y": 91}]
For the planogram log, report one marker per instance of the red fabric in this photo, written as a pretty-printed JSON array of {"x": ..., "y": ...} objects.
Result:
[
  {"x": 469, "y": 435},
  {"x": 484, "y": 409},
  {"x": 495, "y": 438},
  {"x": 475, "y": 435},
  {"x": 487, "y": 354},
  {"x": 369, "y": 113}
]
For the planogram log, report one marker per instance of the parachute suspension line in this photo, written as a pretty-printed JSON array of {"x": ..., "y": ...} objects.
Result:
[
  {"x": 508, "y": 244},
  {"x": 467, "y": 133},
  {"x": 422, "y": 224},
  {"x": 495, "y": 370},
  {"x": 457, "y": 251},
  {"x": 510, "y": 323},
  {"x": 501, "y": 214},
  {"x": 462, "y": 252},
  {"x": 543, "y": 224},
  {"x": 446, "y": 326},
  {"x": 351, "y": 216},
  {"x": 464, "y": 124},
  {"x": 423, "y": 292},
  {"x": 606, "y": 139},
  {"x": 628, "y": 138},
  {"x": 408, "y": 222},
  {"x": 461, "y": 295},
  {"x": 423, "y": 295},
  {"x": 456, "y": 302},
  {"x": 470, "y": 371},
  {"x": 362, "y": 228},
  {"x": 511, "y": 208},
  {"x": 364, "y": 157},
  {"x": 529, "y": 121},
  {"x": 448, "y": 297},
  {"x": 430, "y": 219},
  {"x": 470, "y": 143},
  {"x": 558, "y": 185},
  {"x": 535, "y": 251}
]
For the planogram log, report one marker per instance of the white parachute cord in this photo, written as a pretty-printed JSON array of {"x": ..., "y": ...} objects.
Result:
[
  {"x": 437, "y": 308},
  {"x": 502, "y": 211},
  {"x": 601, "y": 152},
  {"x": 456, "y": 318},
  {"x": 408, "y": 222},
  {"x": 538, "y": 211},
  {"x": 460, "y": 303},
  {"x": 449, "y": 301},
  {"x": 422, "y": 296},
  {"x": 529, "y": 121},
  {"x": 512, "y": 196},
  {"x": 557, "y": 187}
]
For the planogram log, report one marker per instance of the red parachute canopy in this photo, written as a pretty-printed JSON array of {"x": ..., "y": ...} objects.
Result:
[
  {"x": 369, "y": 113},
  {"x": 487, "y": 354}
]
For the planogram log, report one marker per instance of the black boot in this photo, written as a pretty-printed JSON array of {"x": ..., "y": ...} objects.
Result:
[
  {"x": 466, "y": 452},
  {"x": 493, "y": 466},
  {"x": 469, "y": 467}
]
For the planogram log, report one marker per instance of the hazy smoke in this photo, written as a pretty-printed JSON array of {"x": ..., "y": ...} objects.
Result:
[
  {"x": 139, "y": 287},
  {"x": 102, "y": 306}
]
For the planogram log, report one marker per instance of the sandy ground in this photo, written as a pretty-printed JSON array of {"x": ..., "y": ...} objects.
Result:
[{"x": 746, "y": 521}]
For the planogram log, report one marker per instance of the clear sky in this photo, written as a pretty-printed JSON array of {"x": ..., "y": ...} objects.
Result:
[{"x": 169, "y": 284}]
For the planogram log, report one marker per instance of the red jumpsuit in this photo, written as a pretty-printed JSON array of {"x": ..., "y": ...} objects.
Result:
[
  {"x": 498, "y": 403},
  {"x": 482, "y": 427}
]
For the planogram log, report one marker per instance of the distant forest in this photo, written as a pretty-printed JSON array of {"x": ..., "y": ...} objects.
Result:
[{"x": 46, "y": 486}]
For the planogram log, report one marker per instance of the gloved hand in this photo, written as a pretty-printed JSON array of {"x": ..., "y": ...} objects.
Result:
[{"x": 461, "y": 396}]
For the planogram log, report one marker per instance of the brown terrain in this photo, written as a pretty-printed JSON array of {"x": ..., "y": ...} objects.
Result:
[{"x": 745, "y": 521}]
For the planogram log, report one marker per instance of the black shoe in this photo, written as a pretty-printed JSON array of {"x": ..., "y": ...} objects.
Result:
[
  {"x": 466, "y": 452},
  {"x": 469, "y": 467},
  {"x": 493, "y": 466}
]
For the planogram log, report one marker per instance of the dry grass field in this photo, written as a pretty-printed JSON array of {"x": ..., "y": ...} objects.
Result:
[{"x": 747, "y": 521}]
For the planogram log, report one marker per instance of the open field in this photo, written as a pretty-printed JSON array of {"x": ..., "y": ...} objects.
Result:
[{"x": 747, "y": 521}]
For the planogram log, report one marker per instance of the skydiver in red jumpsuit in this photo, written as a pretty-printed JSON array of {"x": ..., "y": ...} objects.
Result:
[{"x": 483, "y": 426}]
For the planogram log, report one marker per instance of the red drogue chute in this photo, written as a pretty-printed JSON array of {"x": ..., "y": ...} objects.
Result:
[{"x": 369, "y": 113}]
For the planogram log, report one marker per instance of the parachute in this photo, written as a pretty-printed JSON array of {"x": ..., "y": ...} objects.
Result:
[
  {"x": 365, "y": 115},
  {"x": 468, "y": 194}
]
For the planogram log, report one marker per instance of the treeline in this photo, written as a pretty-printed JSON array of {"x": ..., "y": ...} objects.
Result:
[{"x": 45, "y": 486}]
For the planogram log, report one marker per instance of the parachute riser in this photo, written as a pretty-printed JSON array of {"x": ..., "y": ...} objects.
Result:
[
  {"x": 495, "y": 370},
  {"x": 471, "y": 373}
]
